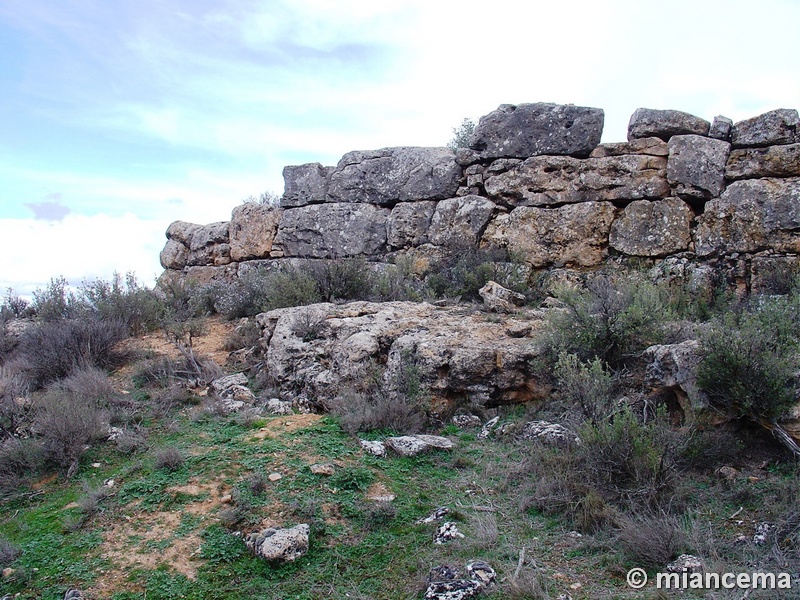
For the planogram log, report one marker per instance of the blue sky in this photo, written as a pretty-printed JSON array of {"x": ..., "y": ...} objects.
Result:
[{"x": 118, "y": 117}]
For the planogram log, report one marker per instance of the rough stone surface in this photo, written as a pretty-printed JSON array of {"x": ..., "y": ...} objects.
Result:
[
  {"x": 751, "y": 215},
  {"x": 411, "y": 445},
  {"x": 648, "y": 228},
  {"x": 392, "y": 175},
  {"x": 446, "y": 583},
  {"x": 209, "y": 245},
  {"x": 459, "y": 353},
  {"x": 553, "y": 434},
  {"x": 648, "y": 122},
  {"x": 685, "y": 563},
  {"x": 174, "y": 255},
  {"x": 774, "y": 161},
  {"x": 460, "y": 220},
  {"x": 466, "y": 421},
  {"x": 774, "y": 127},
  {"x": 571, "y": 235},
  {"x": 252, "y": 230},
  {"x": 305, "y": 184},
  {"x": 554, "y": 180},
  {"x": 696, "y": 166},
  {"x": 279, "y": 545},
  {"x": 332, "y": 231},
  {"x": 523, "y": 130},
  {"x": 408, "y": 223},
  {"x": 497, "y": 298},
  {"x": 721, "y": 128},
  {"x": 182, "y": 232},
  {"x": 223, "y": 383},
  {"x": 673, "y": 367},
  {"x": 276, "y": 406},
  {"x": 651, "y": 146},
  {"x": 447, "y": 532},
  {"x": 375, "y": 448},
  {"x": 488, "y": 428}
]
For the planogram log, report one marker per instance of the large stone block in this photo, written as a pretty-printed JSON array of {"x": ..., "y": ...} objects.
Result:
[
  {"x": 773, "y": 127},
  {"x": 696, "y": 166},
  {"x": 392, "y": 175},
  {"x": 524, "y": 130},
  {"x": 571, "y": 235},
  {"x": 332, "y": 231},
  {"x": 460, "y": 220},
  {"x": 650, "y": 145},
  {"x": 252, "y": 230},
  {"x": 656, "y": 228},
  {"x": 773, "y": 161},
  {"x": 554, "y": 180},
  {"x": 174, "y": 255},
  {"x": 751, "y": 215},
  {"x": 649, "y": 122},
  {"x": 210, "y": 245},
  {"x": 305, "y": 184},
  {"x": 408, "y": 224}
]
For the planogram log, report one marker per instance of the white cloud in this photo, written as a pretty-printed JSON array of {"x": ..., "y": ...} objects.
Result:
[{"x": 78, "y": 248}]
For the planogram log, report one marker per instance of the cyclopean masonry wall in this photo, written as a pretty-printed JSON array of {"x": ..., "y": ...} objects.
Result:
[{"x": 682, "y": 193}]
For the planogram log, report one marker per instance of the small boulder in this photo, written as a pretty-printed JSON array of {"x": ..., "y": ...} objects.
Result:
[
  {"x": 773, "y": 127},
  {"x": 446, "y": 583},
  {"x": 553, "y": 434},
  {"x": 223, "y": 383},
  {"x": 500, "y": 299},
  {"x": 276, "y": 406},
  {"x": 685, "y": 563},
  {"x": 447, "y": 532},
  {"x": 326, "y": 469},
  {"x": 721, "y": 128},
  {"x": 279, "y": 545},
  {"x": 375, "y": 448},
  {"x": 437, "y": 515},
  {"x": 411, "y": 445},
  {"x": 648, "y": 122},
  {"x": 466, "y": 421},
  {"x": 488, "y": 428}
]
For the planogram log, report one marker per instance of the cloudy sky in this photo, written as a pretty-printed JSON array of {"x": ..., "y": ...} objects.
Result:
[{"x": 120, "y": 116}]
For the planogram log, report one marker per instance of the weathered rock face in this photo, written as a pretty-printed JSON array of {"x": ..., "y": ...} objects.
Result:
[
  {"x": 655, "y": 228},
  {"x": 581, "y": 199},
  {"x": 305, "y": 184},
  {"x": 280, "y": 545},
  {"x": 696, "y": 165},
  {"x": 751, "y": 215},
  {"x": 772, "y": 128},
  {"x": 252, "y": 230},
  {"x": 332, "y": 231},
  {"x": 774, "y": 161},
  {"x": 571, "y": 235},
  {"x": 648, "y": 122},
  {"x": 460, "y": 220},
  {"x": 408, "y": 224},
  {"x": 458, "y": 354},
  {"x": 673, "y": 367},
  {"x": 523, "y": 130},
  {"x": 554, "y": 180},
  {"x": 385, "y": 177}
]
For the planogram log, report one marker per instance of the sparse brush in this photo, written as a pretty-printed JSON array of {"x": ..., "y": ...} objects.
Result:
[
  {"x": 8, "y": 552},
  {"x": 651, "y": 540},
  {"x": 131, "y": 441},
  {"x": 169, "y": 459}
]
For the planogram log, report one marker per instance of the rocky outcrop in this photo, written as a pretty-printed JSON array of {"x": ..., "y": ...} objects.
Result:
[
  {"x": 332, "y": 231},
  {"x": 459, "y": 355},
  {"x": 652, "y": 229},
  {"x": 648, "y": 122},
  {"x": 391, "y": 175},
  {"x": 523, "y": 130},
  {"x": 555, "y": 180},
  {"x": 573, "y": 235},
  {"x": 281, "y": 545},
  {"x": 751, "y": 215},
  {"x": 537, "y": 183}
]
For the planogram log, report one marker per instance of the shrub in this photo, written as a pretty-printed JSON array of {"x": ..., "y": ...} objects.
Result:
[
  {"x": 750, "y": 362},
  {"x": 19, "y": 458},
  {"x": 14, "y": 307},
  {"x": 587, "y": 385},
  {"x": 612, "y": 319},
  {"x": 398, "y": 282},
  {"x": 342, "y": 279},
  {"x": 53, "y": 349},
  {"x": 56, "y": 301},
  {"x": 67, "y": 423},
  {"x": 361, "y": 412},
  {"x": 131, "y": 441},
  {"x": 461, "y": 134},
  {"x": 169, "y": 459},
  {"x": 8, "y": 552},
  {"x": 651, "y": 540},
  {"x": 136, "y": 306},
  {"x": 290, "y": 286}
]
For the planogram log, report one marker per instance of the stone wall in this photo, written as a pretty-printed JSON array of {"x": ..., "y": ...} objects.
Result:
[{"x": 535, "y": 180}]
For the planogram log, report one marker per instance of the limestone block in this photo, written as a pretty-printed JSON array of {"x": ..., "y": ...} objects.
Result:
[
  {"x": 649, "y": 122},
  {"x": 696, "y": 166},
  {"x": 305, "y": 184},
  {"x": 252, "y": 230},
  {"x": 460, "y": 220},
  {"x": 656, "y": 228},
  {"x": 773, "y": 127},
  {"x": 773, "y": 161},
  {"x": 408, "y": 224}
]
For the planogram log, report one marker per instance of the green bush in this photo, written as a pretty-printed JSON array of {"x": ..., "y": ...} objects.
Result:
[
  {"x": 462, "y": 134},
  {"x": 56, "y": 301},
  {"x": 342, "y": 279},
  {"x": 612, "y": 319},
  {"x": 127, "y": 301},
  {"x": 51, "y": 350},
  {"x": 586, "y": 385},
  {"x": 751, "y": 358}
]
